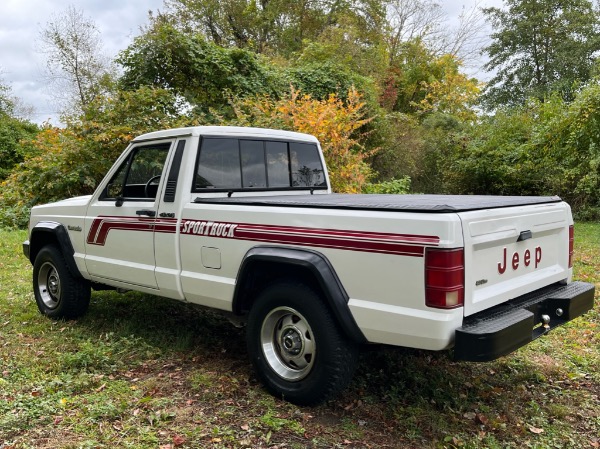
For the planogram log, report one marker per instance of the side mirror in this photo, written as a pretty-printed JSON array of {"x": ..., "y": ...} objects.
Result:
[{"x": 119, "y": 201}]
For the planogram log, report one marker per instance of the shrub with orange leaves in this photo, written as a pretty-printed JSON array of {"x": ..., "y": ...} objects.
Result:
[{"x": 336, "y": 123}]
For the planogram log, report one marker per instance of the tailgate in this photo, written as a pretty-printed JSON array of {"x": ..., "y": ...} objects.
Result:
[{"x": 513, "y": 251}]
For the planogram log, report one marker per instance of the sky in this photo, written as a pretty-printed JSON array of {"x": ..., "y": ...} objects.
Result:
[{"x": 119, "y": 21}]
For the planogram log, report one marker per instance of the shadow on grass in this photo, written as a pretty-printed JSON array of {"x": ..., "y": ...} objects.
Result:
[
  {"x": 398, "y": 377},
  {"x": 397, "y": 394}
]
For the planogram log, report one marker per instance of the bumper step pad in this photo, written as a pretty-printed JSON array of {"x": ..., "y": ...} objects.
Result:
[{"x": 503, "y": 329}]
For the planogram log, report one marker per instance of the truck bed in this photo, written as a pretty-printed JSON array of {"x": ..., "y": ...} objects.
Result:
[{"x": 404, "y": 203}]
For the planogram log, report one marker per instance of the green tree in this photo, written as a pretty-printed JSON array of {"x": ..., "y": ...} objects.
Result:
[
  {"x": 321, "y": 80},
  {"x": 422, "y": 82},
  {"x": 274, "y": 26},
  {"x": 14, "y": 132},
  {"x": 201, "y": 72},
  {"x": 540, "y": 47},
  {"x": 496, "y": 157},
  {"x": 567, "y": 138}
]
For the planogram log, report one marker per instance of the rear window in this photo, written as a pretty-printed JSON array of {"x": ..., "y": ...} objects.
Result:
[{"x": 248, "y": 164}]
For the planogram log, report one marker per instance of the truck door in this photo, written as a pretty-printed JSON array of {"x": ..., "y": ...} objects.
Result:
[{"x": 121, "y": 218}]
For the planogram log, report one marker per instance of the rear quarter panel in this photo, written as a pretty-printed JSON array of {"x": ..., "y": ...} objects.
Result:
[{"x": 378, "y": 257}]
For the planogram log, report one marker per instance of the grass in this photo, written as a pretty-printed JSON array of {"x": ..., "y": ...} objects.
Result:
[{"x": 144, "y": 372}]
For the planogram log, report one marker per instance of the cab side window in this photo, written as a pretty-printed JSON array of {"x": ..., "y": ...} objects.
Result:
[
  {"x": 219, "y": 165},
  {"x": 139, "y": 175}
]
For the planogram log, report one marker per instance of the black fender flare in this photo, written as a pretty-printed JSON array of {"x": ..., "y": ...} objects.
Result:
[
  {"x": 45, "y": 232},
  {"x": 312, "y": 261}
]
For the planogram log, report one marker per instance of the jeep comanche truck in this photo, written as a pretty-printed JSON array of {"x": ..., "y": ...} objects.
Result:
[{"x": 243, "y": 220}]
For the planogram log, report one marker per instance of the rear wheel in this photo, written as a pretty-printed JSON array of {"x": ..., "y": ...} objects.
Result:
[
  {"x": 58, "y": 293},
  {"x": 296, "y": 346}
]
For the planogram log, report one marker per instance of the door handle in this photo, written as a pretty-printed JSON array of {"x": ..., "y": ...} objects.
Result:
[{"x": 147, "y": 212}]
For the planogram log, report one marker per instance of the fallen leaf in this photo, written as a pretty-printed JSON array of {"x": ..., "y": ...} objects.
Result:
[
  {"x": 58, "y": 420},
  {"x": 245, "y": 427},
  {"x": 536, "y": 430},
  {"x": 178, "y": 440},
  {"x": 482, "y": 419}
]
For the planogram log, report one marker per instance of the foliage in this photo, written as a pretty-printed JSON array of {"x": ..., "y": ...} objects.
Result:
[
  {"x": 349, "y": 45},
  {"x": 426, "y": 21},
  {"x": 421, "y": 82},
  {"x": 540, "y": 47},
  {"x": 379, "y": 82},
  {"x": 71, "y": 161},
  {"x": 319, "y": 80},
  {"x": 419, "y": 149},
  {"x": 542, "y": 148},
  {"x": 13, "y": 150},
  {"x": 450, "y": 92},
  {"x": 337, "y": 125},
  {"x": 393, "y": 186},
  {"x": 201, "y": 72},
  {"x": 568, "y": 136},
  {"x": 496, "y": 159},
  {"x": 401, "y": 143},
  {"x": 276, "y": 27}
]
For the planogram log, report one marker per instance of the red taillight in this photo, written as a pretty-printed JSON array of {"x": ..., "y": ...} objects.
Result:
[
  {"x": 444, "y": 278},
  {"x": 571, "y": 244}
]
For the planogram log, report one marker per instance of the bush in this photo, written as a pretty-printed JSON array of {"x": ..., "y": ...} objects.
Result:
[
  {"x": 393, "y": 186},
  {"x": 14, "y": 133},
  {"x": 69, "y": 162}
]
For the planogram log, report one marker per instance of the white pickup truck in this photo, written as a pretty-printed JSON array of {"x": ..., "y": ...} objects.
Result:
[{"x": 243, "y": 220}]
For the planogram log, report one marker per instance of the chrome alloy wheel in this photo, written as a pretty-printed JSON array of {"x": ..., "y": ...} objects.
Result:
[
  {"x": 49, "y": 285},
  {"x": 288, "y": 343}
]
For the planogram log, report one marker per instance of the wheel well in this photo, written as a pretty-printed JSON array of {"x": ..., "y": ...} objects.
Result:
[
  {"x": 51, "y": 233},
  {"x": 259, "y": 274},
  {"x": 265, "y": 265},
  {"x": 39, "y": 240}
]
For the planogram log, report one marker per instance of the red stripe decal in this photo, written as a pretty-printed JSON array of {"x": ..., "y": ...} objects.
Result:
[
  {"x": 376, "y": 242},
  {"x": 103, "y": 224}
]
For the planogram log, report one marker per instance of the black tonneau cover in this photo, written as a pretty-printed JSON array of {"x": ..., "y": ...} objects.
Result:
[{"x": 405, "y": 203}]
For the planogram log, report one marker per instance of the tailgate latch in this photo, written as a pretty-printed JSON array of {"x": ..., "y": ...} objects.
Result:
[{"x": 524, "y": 235}]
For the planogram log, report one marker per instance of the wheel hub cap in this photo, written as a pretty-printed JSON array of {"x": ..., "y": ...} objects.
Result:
[
  {"x": 49, "y": 285},
  {"x": 288, "y": 343},
  {"x": 292, "y": 341},
  {"x": 53, "y": 284}
]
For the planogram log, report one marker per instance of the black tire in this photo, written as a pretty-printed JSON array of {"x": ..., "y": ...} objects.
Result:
[
  {"x": 58, "y": 293},
  {"x": 297, "y": 349}
]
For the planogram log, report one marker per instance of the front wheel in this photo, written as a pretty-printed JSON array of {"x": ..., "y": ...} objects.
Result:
[
  {"x": 296, "y": 346},
  {"x": 58, "y": 293}
]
